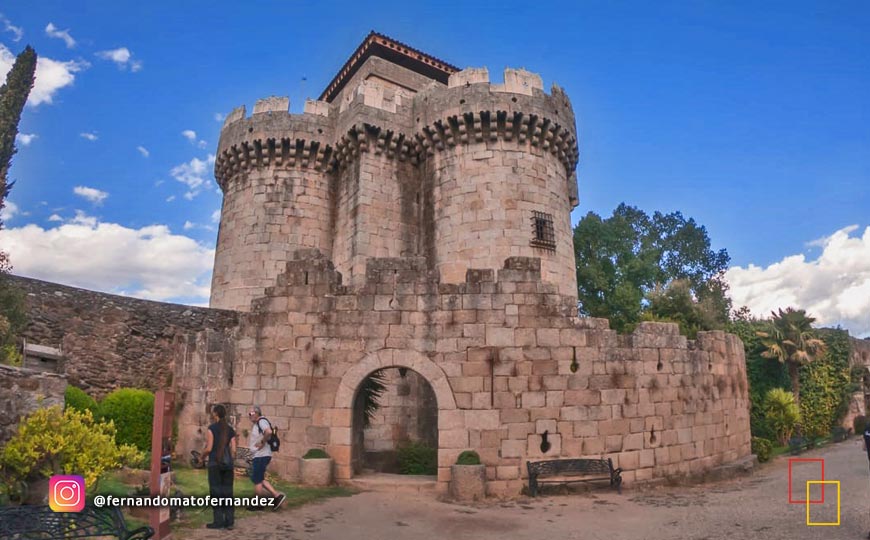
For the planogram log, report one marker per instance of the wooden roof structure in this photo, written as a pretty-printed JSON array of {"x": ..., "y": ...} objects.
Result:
[{"x": 389, "y": 49}]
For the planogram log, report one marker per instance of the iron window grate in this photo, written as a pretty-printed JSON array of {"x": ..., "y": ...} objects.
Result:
[{"x": 543, "y": 235}]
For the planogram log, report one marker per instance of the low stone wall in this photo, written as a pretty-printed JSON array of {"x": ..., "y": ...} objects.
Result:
[
  {"x": 22, "y": 391},
  {"x": 517, "y": 376},
  {"x": 110, "y": 341}
]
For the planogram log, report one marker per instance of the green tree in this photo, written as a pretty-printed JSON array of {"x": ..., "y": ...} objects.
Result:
[
  {"x": 674, "y": 303},
  {"x": 13, "y": 317},
  {"x": 782, "y": 413},
  {"x": 791, "y": 340},
  {"x": 622, "y": 259},
  {"x": 13, "y": 96}
]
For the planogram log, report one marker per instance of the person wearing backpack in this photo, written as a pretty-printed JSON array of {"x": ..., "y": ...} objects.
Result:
[
  {"x": 260, "y": 443},
  {"x": 220, "y": 447}
]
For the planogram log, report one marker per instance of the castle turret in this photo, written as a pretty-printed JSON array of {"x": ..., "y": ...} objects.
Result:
[
  {"x": 272, "y": 168},
  {"x": 499, "y": 160}
]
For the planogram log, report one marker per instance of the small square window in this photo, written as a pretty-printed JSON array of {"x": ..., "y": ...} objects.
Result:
[{"x": 543, "y": 235}]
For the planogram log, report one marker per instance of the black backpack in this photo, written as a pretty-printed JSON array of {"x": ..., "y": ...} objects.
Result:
[{"x": 274, "y": 442}]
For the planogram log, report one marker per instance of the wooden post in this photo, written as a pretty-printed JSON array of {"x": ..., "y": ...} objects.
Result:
[{"x": 161, "y": 451}]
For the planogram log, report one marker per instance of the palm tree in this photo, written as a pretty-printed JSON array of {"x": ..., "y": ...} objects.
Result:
[{"x": 792, "y": 340}]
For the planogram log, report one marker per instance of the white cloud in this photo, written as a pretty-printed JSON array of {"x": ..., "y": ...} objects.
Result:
[
  {"x": 16, "y": 31},
  {"x": 24, "y": 139},
  {"x": 189, "y": 225},
  {"x": 91, "y": 194},
  {"x": 122, "y": 57},
  {"x": 51, "y": 75},
  {"x": 216, "y": 216},
  {"x": 144, "y": 151},
  {"x": 52, "y": 31},
  {"x": 10, "y": 210},
  {"x": 190, "y": 135},
  {"x": 149, "y": 262},
  {"x": 834, "y": 288},
  {"x": 170, "y": 198},
  {"x": 219, "y": 117},
  {"x": 89, "y": 136},
  {"x": 193, "y": 175},
  {"x": 55, "y": 217}
]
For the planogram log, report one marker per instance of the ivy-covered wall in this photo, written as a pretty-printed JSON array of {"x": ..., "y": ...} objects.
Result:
[{"x": 826, "y": 383}]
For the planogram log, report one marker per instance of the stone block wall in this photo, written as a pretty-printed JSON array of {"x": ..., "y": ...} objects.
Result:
[
  {"x": 110, "y": 341},
  {"x": 22, "y": 391},
  {"x": 506, "y": 357}
]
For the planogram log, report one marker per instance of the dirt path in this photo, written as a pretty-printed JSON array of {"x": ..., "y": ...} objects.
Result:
[{"x": 753, "y": 507}]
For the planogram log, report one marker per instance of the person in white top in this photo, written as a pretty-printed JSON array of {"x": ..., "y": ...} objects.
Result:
[{"x": 258, "y": 444}]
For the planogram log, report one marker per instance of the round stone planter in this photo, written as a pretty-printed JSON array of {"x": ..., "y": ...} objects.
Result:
[
  {"x": 468, "y": 482},
  {"x": 316, "y": 472}
]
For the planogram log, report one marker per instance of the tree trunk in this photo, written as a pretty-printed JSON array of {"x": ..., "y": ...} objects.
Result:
[{"x": 794, "y": 374}]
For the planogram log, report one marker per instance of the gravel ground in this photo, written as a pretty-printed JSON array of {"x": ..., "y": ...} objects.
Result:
[{"x": 752, "y": 507}]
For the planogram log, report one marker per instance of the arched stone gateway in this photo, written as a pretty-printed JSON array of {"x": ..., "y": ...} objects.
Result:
[{"x": 449, "y": 418}]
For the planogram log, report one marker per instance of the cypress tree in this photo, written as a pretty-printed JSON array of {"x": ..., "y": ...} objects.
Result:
[{"x": 13, "y": 96}]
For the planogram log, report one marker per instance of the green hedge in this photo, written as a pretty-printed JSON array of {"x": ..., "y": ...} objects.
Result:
[
  {"x": 132, "y": 411},
  {"x": 78, "y": 399},
  {"x": 417, "y": 458},
  {"x": 316, "y": 453},
  {"x": 762, "y": 448}
]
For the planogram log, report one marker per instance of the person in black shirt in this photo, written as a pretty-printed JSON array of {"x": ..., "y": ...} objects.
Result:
[{"x": 220, "y": 447}]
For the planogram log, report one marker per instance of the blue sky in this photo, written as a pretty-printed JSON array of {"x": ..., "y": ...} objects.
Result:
[{"x": 753, "y": 120}]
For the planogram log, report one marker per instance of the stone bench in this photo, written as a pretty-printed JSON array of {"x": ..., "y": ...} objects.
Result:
[{"x": 565, "y": 471}]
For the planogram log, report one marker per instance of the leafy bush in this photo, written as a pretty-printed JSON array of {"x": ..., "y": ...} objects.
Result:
[
  {"x": 78, "y": 399},
  {"x": 51, "y": 441},
  {"x": 859, "y": 424},
  {"x": 417, "y": 458},
  {"x": 782, "y": 413},
  {"x": 13, "y": 317},
  {"x": 132, "y": 411},
  {"x": 762, "y": 448},
  {"x": 468, "y": 457},
  {"x": 316, "y": 453}
]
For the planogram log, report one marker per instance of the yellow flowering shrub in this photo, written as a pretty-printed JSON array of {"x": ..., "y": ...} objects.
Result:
[{"x": 53, "y": 441}]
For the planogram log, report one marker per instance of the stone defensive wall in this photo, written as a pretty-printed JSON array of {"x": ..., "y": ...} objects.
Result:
[
  {"x": 111, "y": 341},
  {"x": 516, "y": 375},
  {"x": 452, "y": 173}
]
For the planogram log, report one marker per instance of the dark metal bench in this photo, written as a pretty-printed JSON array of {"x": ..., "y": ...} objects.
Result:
[
  {"x": 41, "y": 522},
  {"x": 572, "y": 470}
]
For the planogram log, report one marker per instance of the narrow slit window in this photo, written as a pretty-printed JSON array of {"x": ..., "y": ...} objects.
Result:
[{"x": 543, "y": 235}]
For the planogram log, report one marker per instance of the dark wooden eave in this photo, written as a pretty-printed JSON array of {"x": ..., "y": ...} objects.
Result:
[{"x": 389, "y": 49}]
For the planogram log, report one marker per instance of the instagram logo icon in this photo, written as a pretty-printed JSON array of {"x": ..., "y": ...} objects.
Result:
[{"x": 66, "y": 493}]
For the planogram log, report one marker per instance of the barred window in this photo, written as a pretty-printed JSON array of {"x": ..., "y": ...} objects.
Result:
[{"x": 543, "y": 235}]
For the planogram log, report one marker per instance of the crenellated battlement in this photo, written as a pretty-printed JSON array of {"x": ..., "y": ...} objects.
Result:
[{"x": 403, "y": 156}]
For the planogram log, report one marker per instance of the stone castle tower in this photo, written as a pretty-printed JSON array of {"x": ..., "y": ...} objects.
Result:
[
  {"x": 415, "y": 221},
  {"x": 403, "y": 155}
]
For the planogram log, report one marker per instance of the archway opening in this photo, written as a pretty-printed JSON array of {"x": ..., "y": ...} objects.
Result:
[{"x": 395, "y": 424}]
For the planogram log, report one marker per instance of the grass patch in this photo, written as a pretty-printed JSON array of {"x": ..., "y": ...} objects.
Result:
[{"x": 194, "y": 482}]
